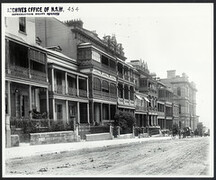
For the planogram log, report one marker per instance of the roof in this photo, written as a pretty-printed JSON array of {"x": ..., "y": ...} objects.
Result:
[
  {"x": 59, "y": 54},
  {"x": 19, "y": 39}
]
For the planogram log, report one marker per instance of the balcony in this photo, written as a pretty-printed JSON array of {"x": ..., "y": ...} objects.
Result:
[
  {"x": 59, "y": 89},
  {"x": 18, "y": 71},
  {"x": 104, "y": 95},
  {"x": 72, "y": 91},
  {"x": 126, "y": 102},
  {"x": 120, "y": 101},
  {"x": 39, "y": 76},
  {"x": 105, "y": 67},
  {"x": 82, "y": 93},
  {"x": 141, "y": 108},
  {"x": 161, "y": 113},
  {"x": 126, "y": 77},
  {"x": 120, "y": 75},
  {"x": 23, "y": 72},
  {"x": 113, "y": 96}
]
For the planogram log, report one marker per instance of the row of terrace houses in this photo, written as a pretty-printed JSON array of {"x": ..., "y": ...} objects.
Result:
[{"x": 66, "y": 73}]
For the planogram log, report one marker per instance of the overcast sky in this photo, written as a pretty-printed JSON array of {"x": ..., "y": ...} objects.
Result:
[{"x": 166, "y": 36}]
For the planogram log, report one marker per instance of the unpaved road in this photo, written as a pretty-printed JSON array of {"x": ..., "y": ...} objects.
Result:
[{"x": 168, "y": 158}]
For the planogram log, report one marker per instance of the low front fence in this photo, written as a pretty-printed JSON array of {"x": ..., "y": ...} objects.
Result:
[
  {"x": 53, "y": 137},
  {"x": 40, "y": 125}
]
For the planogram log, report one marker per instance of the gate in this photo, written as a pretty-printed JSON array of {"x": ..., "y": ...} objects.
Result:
[{"x": 83, "y": 129}]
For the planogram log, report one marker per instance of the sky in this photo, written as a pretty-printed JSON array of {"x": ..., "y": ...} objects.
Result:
[{"x": 167, "y": 36}]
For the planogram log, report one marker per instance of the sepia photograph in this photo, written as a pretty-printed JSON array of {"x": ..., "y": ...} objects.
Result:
[{"x": 107, "y": 90}]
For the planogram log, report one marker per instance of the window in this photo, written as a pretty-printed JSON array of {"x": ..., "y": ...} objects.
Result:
[
  {"x": 105, "y": 86},
  {"x": 120, "y": 90},
  {"x": 96, "y": 56},
  {"x": 131, "y": 93},
  {"x": 179, "y": 108},
  {"x": 126, "y": 92},
  {"x": 97, "y": 84},
  {"x": 22, "y": 24},
  {"x": 179, "y": 91},
  {"x": 113, "y": 89},
  {"x": 104, "y": 60}
]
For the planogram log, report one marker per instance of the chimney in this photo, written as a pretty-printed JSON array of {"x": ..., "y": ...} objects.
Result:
[
  {"x": 75, "y": 23},
  {"x": 171, "y": 74}
]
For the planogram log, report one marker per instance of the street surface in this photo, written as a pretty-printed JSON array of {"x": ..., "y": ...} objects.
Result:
[{"x": 175, "y": 157}]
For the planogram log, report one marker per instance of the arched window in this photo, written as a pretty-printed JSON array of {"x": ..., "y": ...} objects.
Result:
[
  {"x": 179, "y": 91},
  {"x": 120, "y": 90},
  {"x": 105, "y": 86},
  {"x": 97, "y": 84},
  {"x": 126, "y": 93},
  {"x": 131, "y": 93},
  {"x": 112, "y": 89}
]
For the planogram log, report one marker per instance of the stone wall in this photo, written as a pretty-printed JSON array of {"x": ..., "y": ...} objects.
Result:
[
  {"x": 53, "y": 137},
  {"x": 15, "y": 140},
  {"x": 98, "y": 137},
  {"x": 125, "y": 136}
]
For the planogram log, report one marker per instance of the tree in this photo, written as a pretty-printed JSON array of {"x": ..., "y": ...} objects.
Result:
[{"x": 125, "y": 120}]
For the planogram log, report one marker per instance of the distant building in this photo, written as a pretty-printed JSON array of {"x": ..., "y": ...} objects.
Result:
[{"x": 185, "y": 92}]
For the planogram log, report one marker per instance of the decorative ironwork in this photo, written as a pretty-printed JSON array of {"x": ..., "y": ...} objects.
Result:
[
  {"x": 72, "y": 91},
  {"x": 19, "y": 71},
  {"x": 37, "y": 75},
  {"x": 82, "y": 93}
]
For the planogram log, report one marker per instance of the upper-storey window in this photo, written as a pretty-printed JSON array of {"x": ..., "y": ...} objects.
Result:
[
  {"x": 179, "y": 91},
  {"x": 97, "y": 84},
  {"x": 105, "y": 86},
  {"x": 96, "y": 56},
  {"x": 22, "y": 24}
]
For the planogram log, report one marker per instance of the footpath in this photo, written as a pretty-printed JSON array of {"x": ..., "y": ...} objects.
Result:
[{"x": 26, "y": 150}]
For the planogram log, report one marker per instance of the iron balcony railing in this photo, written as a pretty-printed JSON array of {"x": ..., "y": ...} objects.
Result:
[
  {"x": 126, "y": 77},
  {"x": 141, "y": 108},
  {"x": 120, "y": 75},
  {"x": 104, "y": 95},
  {"x": 27, "y": 73},
  {"x": 37, "y": 75},
  {"x": 59, "y": 89},
  {"x": 19, "y": 71},
  {"x": 72, "y": 91},
  {"x": 82, "y": 93}
]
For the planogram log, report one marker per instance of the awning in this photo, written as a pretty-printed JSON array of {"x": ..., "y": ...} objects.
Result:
[
  {"x": 138, "y": 97},
  {"x": 146, "y": 99}
]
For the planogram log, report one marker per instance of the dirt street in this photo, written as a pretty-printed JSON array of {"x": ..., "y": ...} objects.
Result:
[{"x": 168, "y": 158}]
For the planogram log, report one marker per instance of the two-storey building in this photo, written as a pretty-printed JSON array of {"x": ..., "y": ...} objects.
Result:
[
  {"x": 147, "y": 93},
  {"x": 26, "y": 80},
  {"x": 110, "y": 79}
]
